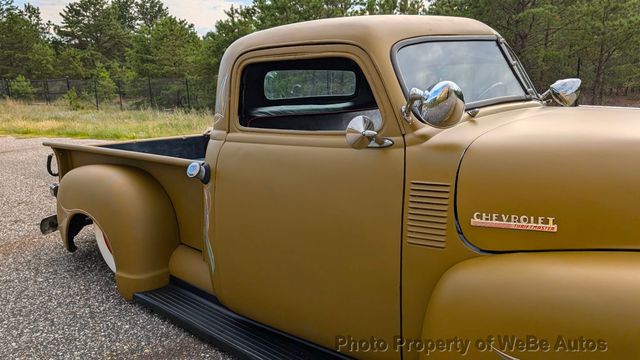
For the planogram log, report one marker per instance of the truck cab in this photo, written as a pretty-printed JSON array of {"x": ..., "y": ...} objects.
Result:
[{"x": 383, "y": 187}]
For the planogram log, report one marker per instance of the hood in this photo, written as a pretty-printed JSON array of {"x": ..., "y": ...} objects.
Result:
[{"x": 563, "y": 179}]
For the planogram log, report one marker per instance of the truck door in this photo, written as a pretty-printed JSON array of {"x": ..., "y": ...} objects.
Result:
[{"x": 307, "y": 228}]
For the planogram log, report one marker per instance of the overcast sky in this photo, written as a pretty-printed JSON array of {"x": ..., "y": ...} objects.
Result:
[{"x": 201, "y": 13}]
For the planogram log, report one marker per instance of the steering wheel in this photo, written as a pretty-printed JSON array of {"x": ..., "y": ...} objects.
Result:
[{"x": 493, "y": 87}]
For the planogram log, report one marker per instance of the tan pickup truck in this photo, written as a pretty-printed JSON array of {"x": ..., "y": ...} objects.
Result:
[{"x": 384, "y": 187}]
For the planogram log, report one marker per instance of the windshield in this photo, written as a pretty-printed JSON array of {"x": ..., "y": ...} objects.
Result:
[{"x": 479, "y": 67}]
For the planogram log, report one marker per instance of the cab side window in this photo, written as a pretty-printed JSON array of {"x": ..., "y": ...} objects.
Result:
[{"x": 311, "y": 95}]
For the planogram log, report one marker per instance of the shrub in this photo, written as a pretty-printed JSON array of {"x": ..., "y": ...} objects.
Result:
[
  {"x": 21, "y": 88},
  {"x": 73, "y": 100},
  {"x": 106, "y": 88}
]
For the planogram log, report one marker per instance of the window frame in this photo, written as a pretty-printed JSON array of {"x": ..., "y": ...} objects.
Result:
[{"x": 308, "y": 52}]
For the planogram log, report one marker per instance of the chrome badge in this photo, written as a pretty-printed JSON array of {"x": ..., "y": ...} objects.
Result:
[{"x": 515, "y": 222}]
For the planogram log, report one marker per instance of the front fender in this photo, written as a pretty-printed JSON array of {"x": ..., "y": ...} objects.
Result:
[
  {"x": 134, "y": 212},
  {"x": 569, "y": 299}
]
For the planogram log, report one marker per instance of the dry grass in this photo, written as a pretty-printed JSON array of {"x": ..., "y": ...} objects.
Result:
[{"x": 20, "y": 119}]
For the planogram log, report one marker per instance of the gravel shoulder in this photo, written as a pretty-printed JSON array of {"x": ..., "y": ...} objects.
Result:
[{"x": 56, "y": 304}]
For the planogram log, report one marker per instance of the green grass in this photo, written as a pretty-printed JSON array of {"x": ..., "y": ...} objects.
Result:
[{"x": 18, "y": 119}]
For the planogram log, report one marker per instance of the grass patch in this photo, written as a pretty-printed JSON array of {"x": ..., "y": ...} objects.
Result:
[{"x": 26, "y": 120}]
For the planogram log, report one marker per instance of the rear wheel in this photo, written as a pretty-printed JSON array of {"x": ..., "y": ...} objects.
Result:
[{"x": 105, "y": 247}]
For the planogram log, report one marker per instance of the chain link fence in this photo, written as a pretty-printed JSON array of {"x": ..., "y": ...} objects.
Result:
[
  {"x": 173, "y": 93},
  {"x": 161, "y": 94}
]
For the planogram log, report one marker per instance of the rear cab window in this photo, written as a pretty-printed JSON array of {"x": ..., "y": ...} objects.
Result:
[
  {"x": 308, "y": 95},
  {"x": 296, "y": 84}
]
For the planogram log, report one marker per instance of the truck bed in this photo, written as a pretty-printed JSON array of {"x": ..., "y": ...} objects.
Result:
[{"x": 165, "y": 159}]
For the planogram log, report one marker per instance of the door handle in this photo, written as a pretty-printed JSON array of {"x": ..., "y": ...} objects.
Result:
[{"x": 362, "y": 133}]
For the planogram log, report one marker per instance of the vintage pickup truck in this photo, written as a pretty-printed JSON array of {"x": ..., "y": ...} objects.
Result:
[{"x": 384, "y": 187}]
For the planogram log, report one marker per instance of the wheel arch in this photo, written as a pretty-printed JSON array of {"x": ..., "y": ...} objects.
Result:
[{"x": 133, "y": 210}]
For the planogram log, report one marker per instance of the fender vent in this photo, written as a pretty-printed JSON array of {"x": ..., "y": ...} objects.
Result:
[{"x": 427, "y": 218}]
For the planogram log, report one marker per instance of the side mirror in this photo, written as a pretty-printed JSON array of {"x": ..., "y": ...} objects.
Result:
[
  {"x": 564, "y": 92},
  {"x": 362, "y": 133},
  {"x": 442, "y": 107}
]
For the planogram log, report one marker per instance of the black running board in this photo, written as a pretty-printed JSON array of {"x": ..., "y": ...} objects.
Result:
[{"x": 203, "y": 315}]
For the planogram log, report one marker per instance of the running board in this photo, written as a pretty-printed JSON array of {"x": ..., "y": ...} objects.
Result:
[{"x": 203, "y": 315}]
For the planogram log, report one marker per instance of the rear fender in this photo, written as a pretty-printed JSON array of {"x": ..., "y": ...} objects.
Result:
[
  {"x": 584, "y": 304},
  {"x": 135, "y": 214}
]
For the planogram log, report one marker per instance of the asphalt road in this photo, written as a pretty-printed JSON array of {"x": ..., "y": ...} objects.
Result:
[{"x": 55, "y": 304}]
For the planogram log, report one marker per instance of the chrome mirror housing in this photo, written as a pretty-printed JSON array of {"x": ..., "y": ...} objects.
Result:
[
  {"x": 564, "y": 92},
  {"x": 442, "y": 107},
  {"x": 362, "y": 133}
]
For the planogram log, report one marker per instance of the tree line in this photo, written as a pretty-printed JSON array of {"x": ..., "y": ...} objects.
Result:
[{"x": 123, "y": 40}]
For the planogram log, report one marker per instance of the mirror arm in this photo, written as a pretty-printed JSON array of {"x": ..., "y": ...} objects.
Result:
[
  {"x": 414, "y": 95},
  {"x": 545, "y": 96},
  {"x": 406, "y": 111}
]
